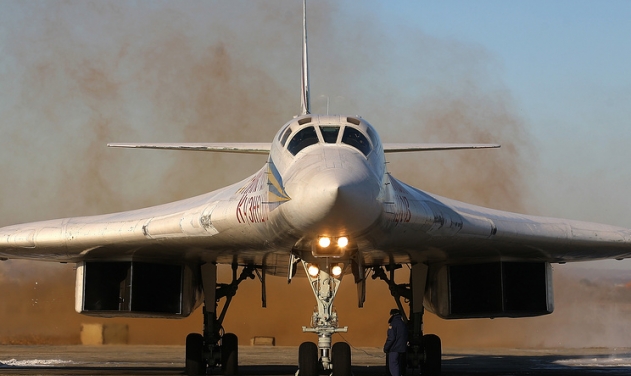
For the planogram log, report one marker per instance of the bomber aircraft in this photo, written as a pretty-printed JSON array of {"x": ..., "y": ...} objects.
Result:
[{"x": 323, "y": 202}]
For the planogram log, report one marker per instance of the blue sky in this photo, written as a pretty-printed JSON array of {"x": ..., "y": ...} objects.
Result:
[{"x": 559, "y": 41}]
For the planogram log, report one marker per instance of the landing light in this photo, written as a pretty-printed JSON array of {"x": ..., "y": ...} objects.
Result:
[
  {"x": 336, "y": 270},
  {"x": 324, "y": 242},
  {"x": 313, "y": 270},
  {"x": 326, "y": 246},
  {"x": 342, "y": 242}
]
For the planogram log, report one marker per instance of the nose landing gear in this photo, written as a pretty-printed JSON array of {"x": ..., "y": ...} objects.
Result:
[{"x": 312, "y": 358}]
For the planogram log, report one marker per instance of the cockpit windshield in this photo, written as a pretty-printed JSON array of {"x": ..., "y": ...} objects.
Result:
[
  {"x": 329, "y": 134},
  {"x": 302, "y": 139},
  {"x": 325, "y": 134},
  {"x": 285, "y": 136},
  {"x": 356, "y": 139}
]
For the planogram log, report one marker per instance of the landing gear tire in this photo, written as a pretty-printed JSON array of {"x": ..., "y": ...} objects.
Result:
[
  {"x": 195, "y": 363},
  {"x": 308, "y": 359},
  {"x": 229, "y": 354},
  {"x": 341, "y": 359},
  {"x": 432, "y": 348}
]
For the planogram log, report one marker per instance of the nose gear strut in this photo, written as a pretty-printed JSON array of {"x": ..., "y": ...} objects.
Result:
[{"x": 312, "y": 358}]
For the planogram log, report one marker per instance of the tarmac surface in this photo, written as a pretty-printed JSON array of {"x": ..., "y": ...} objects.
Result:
[{"x": 169, "y": 360}]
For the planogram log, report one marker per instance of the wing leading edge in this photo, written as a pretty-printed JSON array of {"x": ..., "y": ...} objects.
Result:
[
  {"x": 407, "y": 147},
  {"x": 244, "y": 147},
  {"x": 264, "y": 148}
]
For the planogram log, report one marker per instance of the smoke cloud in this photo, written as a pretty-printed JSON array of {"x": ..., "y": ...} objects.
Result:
[{"x": 82, "y": 74}]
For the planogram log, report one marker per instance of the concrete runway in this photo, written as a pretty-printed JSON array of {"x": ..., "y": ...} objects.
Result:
[{"x": 169, "y": 360}]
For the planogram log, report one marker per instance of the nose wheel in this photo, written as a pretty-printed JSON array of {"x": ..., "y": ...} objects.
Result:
[
  {"x": 308, "y": 363},
  {"x": 341, "y": 359}
]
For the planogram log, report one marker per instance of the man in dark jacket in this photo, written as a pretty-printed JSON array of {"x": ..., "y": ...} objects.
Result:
[{"x": 397, "y": 342}]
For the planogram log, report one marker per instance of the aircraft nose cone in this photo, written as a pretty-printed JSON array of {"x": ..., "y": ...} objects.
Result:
[{"x": 334, "y": 201}]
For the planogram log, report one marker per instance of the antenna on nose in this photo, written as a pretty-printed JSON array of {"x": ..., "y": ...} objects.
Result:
[{"x": 305, "y": 101}]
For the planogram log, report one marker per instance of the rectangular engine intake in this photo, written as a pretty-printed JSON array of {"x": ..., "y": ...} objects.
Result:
[
  {"x": 496, "y": 289},
  {"x": 135, "y": 289}
]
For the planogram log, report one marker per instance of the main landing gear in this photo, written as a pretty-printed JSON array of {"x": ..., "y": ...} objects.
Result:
[
  {"x": 424, "y": 351},
  {"x": 325, "y": 278},
  {"x": 214, "y": 347}
]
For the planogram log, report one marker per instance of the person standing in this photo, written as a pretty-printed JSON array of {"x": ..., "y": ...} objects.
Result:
[{"x": 396, "y": 343}]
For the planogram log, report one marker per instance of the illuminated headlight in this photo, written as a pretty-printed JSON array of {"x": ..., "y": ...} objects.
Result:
[
  {"x": 313, "y": 270},
  {"x": 342, "y": 242},
  {"x": 326, "y": 246},
  {"x": 336, "y": 270},
  {"x": 324, "y": 242}
]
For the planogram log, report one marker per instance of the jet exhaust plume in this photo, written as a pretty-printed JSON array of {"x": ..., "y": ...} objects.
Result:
[{"x": 86, "y": 73}]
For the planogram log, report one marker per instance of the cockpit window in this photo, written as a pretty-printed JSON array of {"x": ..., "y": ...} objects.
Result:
[
  {"x": 330, "y": 134},
  {"x": 285, "y": 136},
  {"x": 302, "y": 139},
  {"x": 356, "y": 139},
  {"x": 371, "y": 135}
]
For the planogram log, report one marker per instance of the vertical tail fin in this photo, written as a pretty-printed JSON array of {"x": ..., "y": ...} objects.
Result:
[{"x": 305, "y": 101}]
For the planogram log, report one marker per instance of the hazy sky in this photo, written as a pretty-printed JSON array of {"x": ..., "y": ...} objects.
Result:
[
  {"x": 566, "y": 64},
  {"x": 561, "y": 69}
]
